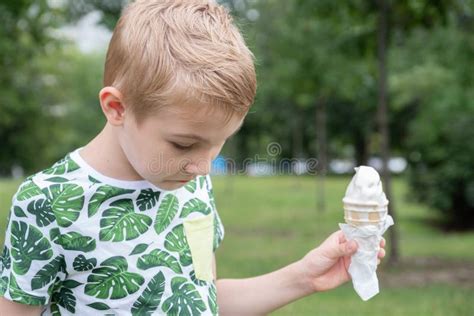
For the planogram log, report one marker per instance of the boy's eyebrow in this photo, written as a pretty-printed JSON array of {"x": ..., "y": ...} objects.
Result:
[{"x": 198, "y": 137}]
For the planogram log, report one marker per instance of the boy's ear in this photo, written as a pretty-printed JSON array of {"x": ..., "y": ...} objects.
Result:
[{"x": 112, "y": 105}]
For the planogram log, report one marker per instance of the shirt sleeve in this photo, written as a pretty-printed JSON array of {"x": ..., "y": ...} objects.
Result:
[
  {"x": 218, "y": 225},
  {"x": 30, "y": 261}
]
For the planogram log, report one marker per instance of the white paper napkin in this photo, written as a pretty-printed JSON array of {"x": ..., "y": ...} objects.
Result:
[{"x": 364, "y": 262}]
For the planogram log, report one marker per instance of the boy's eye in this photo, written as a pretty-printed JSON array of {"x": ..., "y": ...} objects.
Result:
[{"x": 181, "y": 147}]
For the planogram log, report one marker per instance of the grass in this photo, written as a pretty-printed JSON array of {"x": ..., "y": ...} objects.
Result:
[
  {"x": 437, "y": 299},
  {"x": 271, "y": 222},
  {"x": 7, "y": 189}
]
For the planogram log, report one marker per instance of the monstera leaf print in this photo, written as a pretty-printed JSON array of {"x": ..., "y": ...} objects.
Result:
[
  {"x": 3, "y": 285},
  {"x": 28, "y": 190},
  {"x": 121, "y": 222},
  {"x": 212, "y": 299},
  {"x": 42, "y": 210},
  {"x": 195, "y": 280},
  {"x": 211, "y": 199},
  {"x": 6, "y": 261},
  {"x": 61, "y": 167},
  {"x": 81, "y": 263},
  {"x": 159, "y": 258},
  {"x": 18, "y": 212},
  {"x": 218, "y": 233},
  {"x": 27, "y": 244},
  {"x": 66, "y": 202},
  {"x": 76, "y": 241},
  {"x": 191, "y": 186},
  {"x": 19, "y": 295},
  {"x": 47, "y": 273},
  {"x": 138, "y": 249},
  {"x": 57, "y": 179},
  {"x": 150, "y": 299},
  {"x": 64, "y": 297},
  {"x": 102, "y": 194},
  {"x": 54, "y": 286},
  {"x": 99, "y": 306},
  {"x": 166, "y": 212},
  {"x": 52, "y": 290},
  {"x": 147, "y": 199},
  {"x": 195, "y": 205},
  {"x": 185, "y": 300},
  {"x": 54, "y": 235},
  {"x": 112, "y": 280},
  {"x": 176, "y": 241},
  {"x": 93, "y": 180}
]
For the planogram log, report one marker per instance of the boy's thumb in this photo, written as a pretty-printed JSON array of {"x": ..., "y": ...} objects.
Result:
[{"x": 348, "y": 248}]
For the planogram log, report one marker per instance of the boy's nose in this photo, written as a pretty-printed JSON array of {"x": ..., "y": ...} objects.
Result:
[{"x": 200, "y": 167}]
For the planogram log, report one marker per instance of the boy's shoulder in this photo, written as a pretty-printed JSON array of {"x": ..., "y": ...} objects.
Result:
[
  {"x": 71, "y": 176},
  {"x": 59, "y": 173}
]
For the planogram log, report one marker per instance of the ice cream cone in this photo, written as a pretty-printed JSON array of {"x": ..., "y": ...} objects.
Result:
[
  {"x": 366, "y": 215},
  {"x": 358, "y": 213}
]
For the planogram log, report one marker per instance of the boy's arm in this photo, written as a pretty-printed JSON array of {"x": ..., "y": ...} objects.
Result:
[
  {"x": 263, "y": 294},
  {"x": 9, "y": 308},
  {"x": 321, "y": 269}
]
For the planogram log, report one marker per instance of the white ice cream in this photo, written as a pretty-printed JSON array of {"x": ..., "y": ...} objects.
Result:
[
  {"x": 365, "y": 187},
  {"x": 365, "y": 196}
]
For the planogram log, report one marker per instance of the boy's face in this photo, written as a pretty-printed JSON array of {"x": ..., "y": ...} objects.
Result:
[{"x": 177, "y": 144}]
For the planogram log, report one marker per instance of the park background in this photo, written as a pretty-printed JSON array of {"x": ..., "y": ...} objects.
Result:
[{"x": 340, "y": 84}]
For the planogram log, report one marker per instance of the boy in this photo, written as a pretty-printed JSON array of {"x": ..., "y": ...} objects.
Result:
[{"x": 127, "y": 225}]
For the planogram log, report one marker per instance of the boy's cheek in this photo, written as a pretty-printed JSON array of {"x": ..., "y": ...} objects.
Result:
[{"x": 162, "y": 169}]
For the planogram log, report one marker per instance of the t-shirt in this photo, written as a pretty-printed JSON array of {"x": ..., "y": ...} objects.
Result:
[{"x": 81, "y": 243}]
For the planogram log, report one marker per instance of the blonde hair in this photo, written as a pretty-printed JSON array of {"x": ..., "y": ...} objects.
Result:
[{"x": 168, "y": 51}]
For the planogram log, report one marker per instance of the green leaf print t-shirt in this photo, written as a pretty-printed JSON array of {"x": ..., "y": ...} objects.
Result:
[{"x": 80, "y": 243}]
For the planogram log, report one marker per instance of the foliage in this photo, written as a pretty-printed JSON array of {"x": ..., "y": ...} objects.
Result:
[
  {"x": 441, "y": 153},
  {"x": 110, "y": 9},
  {"x": 70, "y": 82},
  {"x": 23, "y": 37},
  {"x": 41, "y": 80}
]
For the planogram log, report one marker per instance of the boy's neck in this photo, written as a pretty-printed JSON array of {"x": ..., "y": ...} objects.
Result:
[{"x": 104, "y": 154}]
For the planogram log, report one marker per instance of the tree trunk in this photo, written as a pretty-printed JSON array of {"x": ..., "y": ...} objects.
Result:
[
  {"x": 321, "y": 137},
  {"x": 360, "y": 148},
  {"x": 297, "y": 133},
  {"x": 297, "y": 146},
  {"x": 382, "y": 117}
]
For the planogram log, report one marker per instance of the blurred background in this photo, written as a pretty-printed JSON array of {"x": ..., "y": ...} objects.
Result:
[{"x": 343, "y": 83}]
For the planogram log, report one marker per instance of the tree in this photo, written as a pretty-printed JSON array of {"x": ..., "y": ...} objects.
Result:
[
  {"x": 110, "y": 10},
  {"x": 70, "y": 87},
  {"x": 23, "y": 37},
  {"x": 436, "y": 84}
]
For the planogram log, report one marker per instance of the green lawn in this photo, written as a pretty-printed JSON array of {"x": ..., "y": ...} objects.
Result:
[{"x": 271, "y": 222}]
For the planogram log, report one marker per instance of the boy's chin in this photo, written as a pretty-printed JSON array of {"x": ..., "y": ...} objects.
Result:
[{"x": 171, "y": 185}]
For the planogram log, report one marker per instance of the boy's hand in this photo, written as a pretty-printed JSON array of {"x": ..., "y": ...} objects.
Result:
[{"x": 326, "y": 266}]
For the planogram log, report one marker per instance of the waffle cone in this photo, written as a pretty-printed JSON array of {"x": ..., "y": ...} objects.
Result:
[{"x": 358, "y": 213}]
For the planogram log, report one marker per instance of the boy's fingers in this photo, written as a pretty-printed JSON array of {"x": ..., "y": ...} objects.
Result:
[
  {"x": 342, "y": 238},
  {"x": 341, "y": 250},
  {"x": 350, "y": 248},
  {"x": 381, "y": 253},
  {"x": 382, "y": 242},
  {"x": 346, "y": 247}
]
